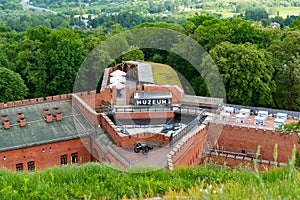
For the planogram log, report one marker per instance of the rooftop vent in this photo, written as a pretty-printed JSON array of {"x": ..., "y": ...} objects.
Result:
[
  {"x": 49, "y": 117},
  {"x": 22, "y": 122},
  {"x": 59, "y": 116},
  {"x": 3, "y": 118},
  {"x": 20, "y": 115},
  {"x": 46, "y": 110},
  {"x": 6, "y": 124},
  {"x": 55, "y": 111}
]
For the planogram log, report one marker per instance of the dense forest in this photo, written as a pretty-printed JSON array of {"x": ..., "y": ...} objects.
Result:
[{"x": 258, "y": 59}]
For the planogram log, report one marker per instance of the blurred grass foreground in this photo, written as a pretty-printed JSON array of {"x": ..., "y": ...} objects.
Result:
[{"x": 102, "y": 181}]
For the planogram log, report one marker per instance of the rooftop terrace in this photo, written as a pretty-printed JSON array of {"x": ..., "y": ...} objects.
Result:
[{"x": 249, "y": 121}]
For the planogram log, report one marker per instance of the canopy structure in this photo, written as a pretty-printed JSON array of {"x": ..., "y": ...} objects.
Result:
[
  {"x": 118, "y": 73},
  {"x": 117, "y": 85},
  {"x": 115, "y": 79}
]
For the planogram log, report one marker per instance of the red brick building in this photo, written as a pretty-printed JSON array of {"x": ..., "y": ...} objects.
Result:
[{"x": 104, "y": 127}]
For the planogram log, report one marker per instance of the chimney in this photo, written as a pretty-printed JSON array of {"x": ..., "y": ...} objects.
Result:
[
  {"x": 22, "y": 122},
  {"x": 55, "y": 111},
  {"x": 6, "y": 124},
  {"x": 49, "y": 117},
  {"x": 59, "y": 116},
  {"x": 46, "y": 110},
  {"x": 4, "y": 117},
  {"x": 20, "y": 115}
]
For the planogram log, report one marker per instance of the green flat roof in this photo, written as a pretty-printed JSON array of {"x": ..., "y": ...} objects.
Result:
[{"x": 37, "y": 131}]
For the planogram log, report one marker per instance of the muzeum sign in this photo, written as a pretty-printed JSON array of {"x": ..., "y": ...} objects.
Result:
[{"x": 152, "y": 98}]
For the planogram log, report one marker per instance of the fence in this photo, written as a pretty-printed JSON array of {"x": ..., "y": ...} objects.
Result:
[{"x": 197, "y": 121}]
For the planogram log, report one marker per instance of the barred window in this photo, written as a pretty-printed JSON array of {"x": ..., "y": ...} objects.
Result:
[{"x": 63, "y": 160}]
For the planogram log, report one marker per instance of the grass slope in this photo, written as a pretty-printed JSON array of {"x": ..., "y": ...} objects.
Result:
[
  {"x": 96, "y": 181},
  {"x": 164, "y": 74}
]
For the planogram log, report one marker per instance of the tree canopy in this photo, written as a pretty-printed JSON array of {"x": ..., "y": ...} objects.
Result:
[
  {"x": 259, "y": 66},
  {"x": 246, "y": 72},
  {"x": 12, "y": 86}
]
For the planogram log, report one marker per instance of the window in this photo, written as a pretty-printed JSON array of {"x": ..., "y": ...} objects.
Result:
[
  {"x": 74, "y": 157},
  {"x": 63, "y": 160},
  {"x": 30, "y": 166},
  {"x": 19, "y": 167}
]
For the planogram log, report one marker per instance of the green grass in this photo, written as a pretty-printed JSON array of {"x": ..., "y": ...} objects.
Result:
[
  {"x": 285, "y": 11},
  {"x": 96, "y": 181},
  {"x": 164, "y": 74}
]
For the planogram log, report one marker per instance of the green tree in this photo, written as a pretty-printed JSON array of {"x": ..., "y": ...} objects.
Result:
[
  {"x": 287, "y": 70},
  {"x": 65, "y": 54},
  {"x": 12, "y": 86},
  {"x": 246, "y": 73},
  {"x": 134, "y": 53},
  {"x": 293, "y": 127},
  {"x": 296, "y": 24},
  {"x": 48, "y": 60},
  {"x": 289, "y": 20},
  {"x": 213, "y": 32},
  {"x": 31, "y": 61},
  {"x": 198, "y": 20},
  {"x": 157, "y": 58},
  {"x": 199, "y": 86},
  {"x": 256, "y": 14},
  {"x": 243, "y": 31}
]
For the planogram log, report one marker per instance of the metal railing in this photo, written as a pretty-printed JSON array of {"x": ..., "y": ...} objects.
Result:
[
  {"x": 131, "y": 108},
  {"x": 201, "y": 100},
  {"x": 197, "y": 121}
]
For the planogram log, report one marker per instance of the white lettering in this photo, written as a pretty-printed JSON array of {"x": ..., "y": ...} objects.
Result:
[
  {"x": 138, "y": 102},
  {"x": 150, "y": 102}
]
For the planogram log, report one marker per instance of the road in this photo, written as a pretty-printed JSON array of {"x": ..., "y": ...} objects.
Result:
[{"x": 26, "y": 6}]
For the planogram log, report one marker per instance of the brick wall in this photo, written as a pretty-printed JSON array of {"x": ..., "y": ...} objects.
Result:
[
  {"x": 35, "y": 100},
  {"x": 105, "y": 96},
  {"x": 89, "y": 113},
  {"x": 145, "y": 115},
  {"x": 46, "y": 155},
  {"x": 88, "y": 97},
  {"x": 236, "y": 139},
  {"x": 126, "y": 140},
  {"x": 188, "y": 152},
  {"x": 236, "y": 162}
]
